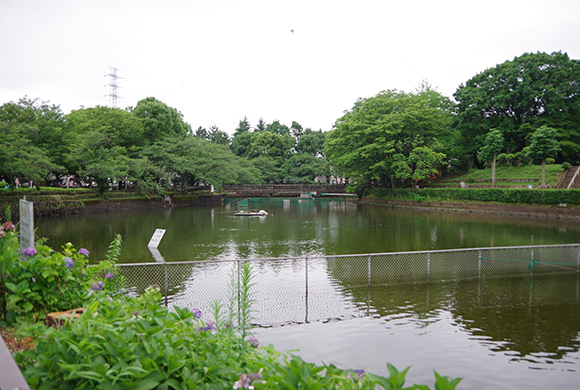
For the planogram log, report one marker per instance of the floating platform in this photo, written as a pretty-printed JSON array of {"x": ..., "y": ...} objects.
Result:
[{"x": 241, "y": 213}]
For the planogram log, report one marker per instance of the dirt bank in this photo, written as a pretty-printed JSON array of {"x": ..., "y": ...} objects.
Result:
[{"x": 557, "y": 212}]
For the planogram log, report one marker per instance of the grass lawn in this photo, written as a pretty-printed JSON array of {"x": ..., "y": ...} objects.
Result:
[{"x": 532, "y": 174}]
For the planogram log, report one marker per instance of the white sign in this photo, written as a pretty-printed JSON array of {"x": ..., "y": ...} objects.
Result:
[
  {"x": 156, "y": 255},
  {"x": 156, "y": 238},
  {"x": 26, "y": 209}
]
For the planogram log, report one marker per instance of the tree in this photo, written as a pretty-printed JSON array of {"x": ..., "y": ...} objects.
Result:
[
  {"x": 218, "y": 136},
  {"x": 243, "y": 126},
  {"x": 377, "y": 141},
  {"x": 40, "y": 122},
  {"x": 296, "y": 130},
  {"x": 121, "y": 127},
  {"x": 240, "y": 144},
  {"x": 544, "y": 145},
  {"x": 494, "y": 142},
  {"x": 195, "y": 160},
  {"x": 95, "y": 155},
  {"x": 277, "y": 128},
  {"x": 311, "y": 142},
  {"x": 160, "y": 120},
  {"x": 261, "y": 126},
  {"x": 20, "y": 158},
  {"x": 516, "y": 97}
]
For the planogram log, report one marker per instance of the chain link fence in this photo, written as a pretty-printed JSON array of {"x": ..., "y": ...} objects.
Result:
[{"x": 305, "y": 289}]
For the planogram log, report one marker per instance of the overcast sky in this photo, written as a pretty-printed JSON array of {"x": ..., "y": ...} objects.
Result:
[{"x": 217, "y": 61}]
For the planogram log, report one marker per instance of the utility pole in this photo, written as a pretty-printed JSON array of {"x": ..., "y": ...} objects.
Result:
[{"x": 113, "y": 95}]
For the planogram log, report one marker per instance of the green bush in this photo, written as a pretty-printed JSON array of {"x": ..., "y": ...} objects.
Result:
[
  {"x": 47, "y": 281},
  {"x": 565, "y": 165},
  {"x": 491, "y": 195},
  {"x": 134, "y": 343}
]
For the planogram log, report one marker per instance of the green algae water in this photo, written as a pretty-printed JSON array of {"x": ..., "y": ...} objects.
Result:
[
  {"x": 295, "y": 227},
  {"x": 503, "y": 333}
]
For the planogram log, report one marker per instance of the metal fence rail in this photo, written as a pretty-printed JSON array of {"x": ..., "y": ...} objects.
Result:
[{"x": 314, "y": 288}]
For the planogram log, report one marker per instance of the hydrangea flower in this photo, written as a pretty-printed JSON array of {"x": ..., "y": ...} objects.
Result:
[
  {"x": 253, "y": 341},
  {"x": 97, "y": 286},
  {"x": 196, "y": 312},
  {"x": 30, "y": 251},
  {"x": 210, "y": 327},
  {"x": 246, "y": 379},
  {"x": 109, "y": 275},
  {"x": 8, "y": 226},
  {"x": 68, "y": 262},
  {"x": 84, "y": 252}
]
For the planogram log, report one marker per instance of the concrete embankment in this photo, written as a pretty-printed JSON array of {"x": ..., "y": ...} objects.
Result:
[{"x": 554, "y": 212}]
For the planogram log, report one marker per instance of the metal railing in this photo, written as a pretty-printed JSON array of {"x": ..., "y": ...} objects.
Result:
[{"x": 313, "y": 288}]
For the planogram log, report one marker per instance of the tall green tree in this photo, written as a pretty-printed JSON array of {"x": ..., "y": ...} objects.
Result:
[
  {"x": 20, "y": 158},
  {"x": 377, "y": 141},
  {"x": 518, "y": 96},
  {"x": 544, "y": 145},
  {"x": 42, "y": 123},
  {"x": 160, "y": 120},
  {"x": 95, "y": 155},
  {"x": 494, "y": 143},
  {"x": 120, "y": 127}
]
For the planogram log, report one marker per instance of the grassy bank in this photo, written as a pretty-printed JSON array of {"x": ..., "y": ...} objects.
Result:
[{"x": 509, "y": 176}]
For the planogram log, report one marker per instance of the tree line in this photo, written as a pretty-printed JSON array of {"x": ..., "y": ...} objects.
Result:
[
  {"x": 521, "y": 111},
  {"x": 149, "y": 146}
]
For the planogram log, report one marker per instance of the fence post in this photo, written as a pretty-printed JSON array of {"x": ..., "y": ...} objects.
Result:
[
  {"x": 166, "y": 292},
  {"x": 306, "y": 290},
  {"x": 479, "y": 264},
  {"x": 369, "y": 285},
  {"x": 369, "y": 270},
  {"x": 238, "y": 288},
  {"x": 428, "y": 267}
]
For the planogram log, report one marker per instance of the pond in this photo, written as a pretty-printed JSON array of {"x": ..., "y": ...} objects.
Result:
[
  {"x": 505, "y": 333},
  {"x": 295, "y": 228}
]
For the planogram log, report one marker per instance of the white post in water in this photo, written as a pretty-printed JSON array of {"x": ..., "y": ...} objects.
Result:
[
  {"x": 153, "y": 244},
  {"x": 26, "y": 209}
]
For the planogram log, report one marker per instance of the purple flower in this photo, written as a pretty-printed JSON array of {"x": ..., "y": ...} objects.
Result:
[
  {"x": 68, "y": 262},
  {"x": 253, "y": 341},
  {"x": 359, "y": 374},
  {"x": 109, "y": 275},
  {"x": 30, "y": 251},
  {"x": 84, "y": 252},
  {"x": 209, "y": 327},
  {"x": 245, "y": 379},
  {"x": 196, "y": 312},
  {"x": 97, "y": 286}
]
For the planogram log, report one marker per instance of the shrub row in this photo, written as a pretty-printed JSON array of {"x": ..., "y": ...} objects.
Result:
[
  {"x": 491, "y": 195},
  {"x": 44, "y": 208}
]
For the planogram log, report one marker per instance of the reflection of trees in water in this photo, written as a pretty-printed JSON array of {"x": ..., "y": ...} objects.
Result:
[
  {"x": 539, "y": 315},
  {"x": 534, "y": 318}
]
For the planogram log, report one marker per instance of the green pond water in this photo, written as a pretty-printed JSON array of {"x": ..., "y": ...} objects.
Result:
[
  {"x": 520, "y": 332},
  {"x": 295, "y": 228}
]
